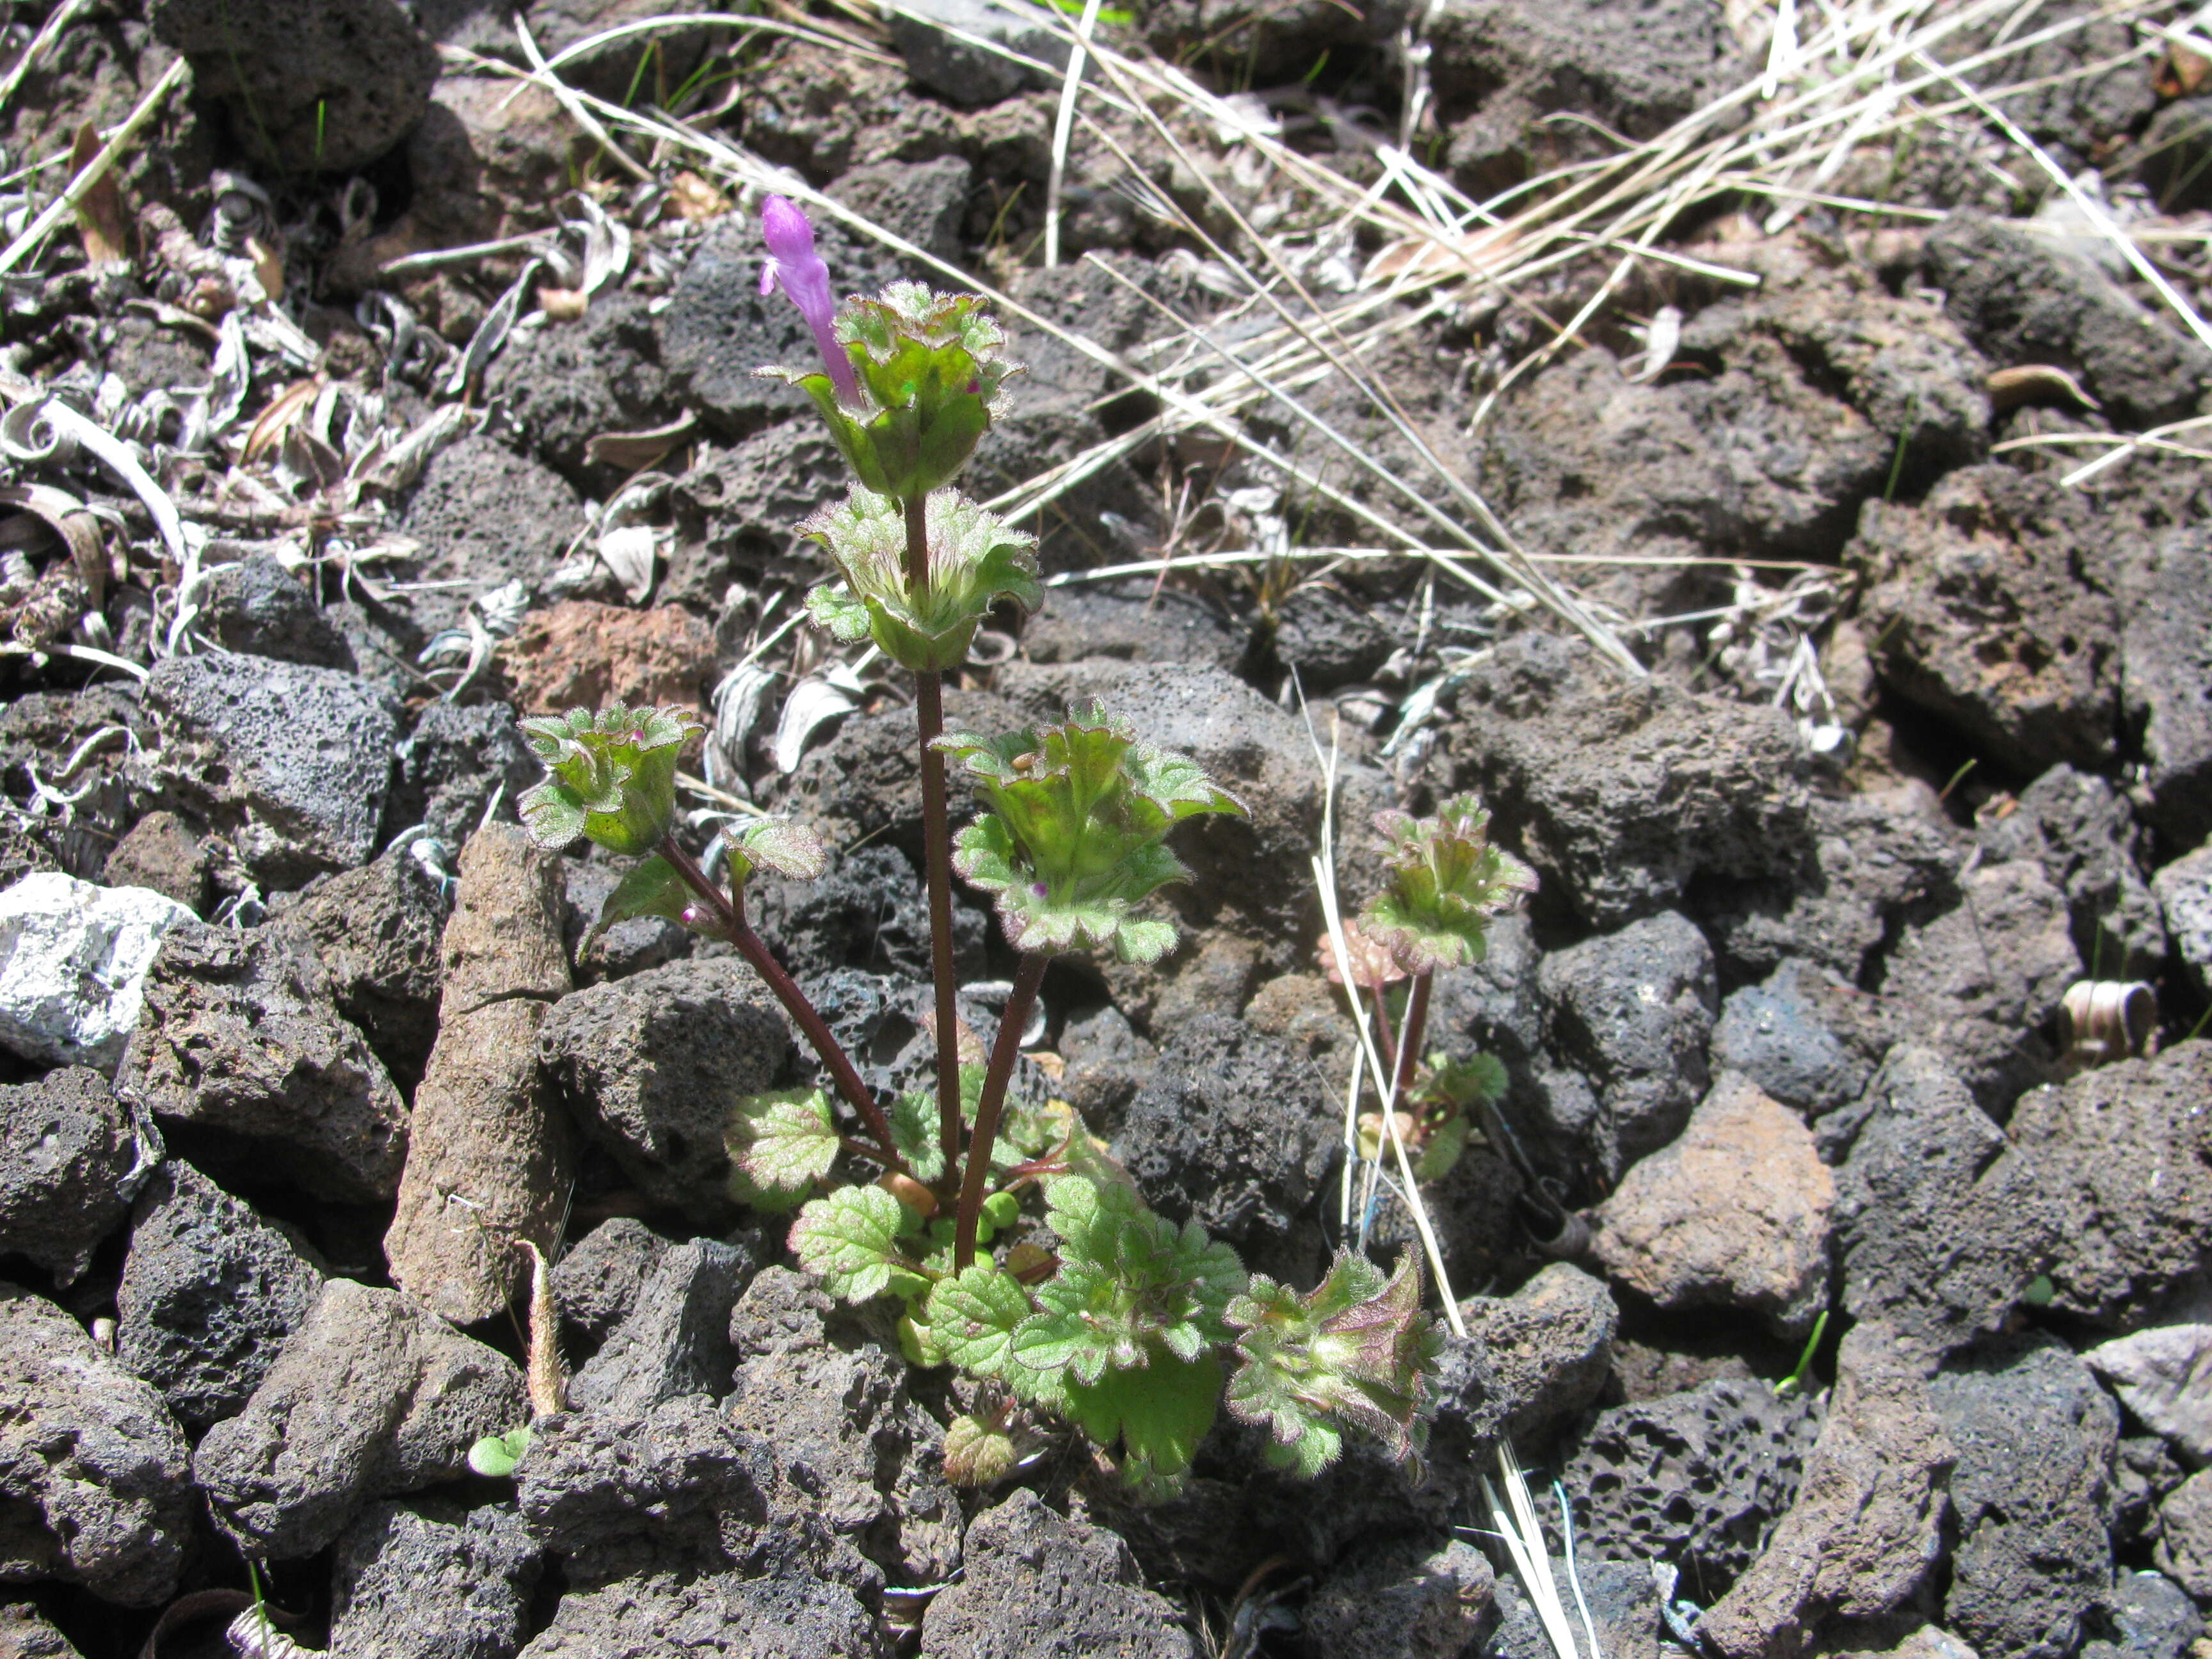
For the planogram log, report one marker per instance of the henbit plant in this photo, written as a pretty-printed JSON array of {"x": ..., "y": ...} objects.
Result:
[{"x": 1130, "y": 1326}]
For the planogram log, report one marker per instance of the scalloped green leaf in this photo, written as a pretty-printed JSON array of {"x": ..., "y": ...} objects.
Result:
[
  {"x": 973, "y": 1318},
  {"x": 652, "y": 888},
  {"x": 849, "y": 1238},
  {"x": 784, "y": 1141}
]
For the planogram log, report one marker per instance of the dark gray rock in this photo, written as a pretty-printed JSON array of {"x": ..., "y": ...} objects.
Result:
[
  {"x": 929, "y": 34},
  {"x": 1501, "y": 66},
  {"x": 372, "y": 1397},
  {"x": 433, "y": 1581},
  {"x": 2143, "y": 1472},
  {"x": 864, "y": 784},
  {"x": 292, "y": 763},
  {"x": 241, "y": 1045},
  {"x": 597, "y": 1282},
  {"x": 1993, "y": 604},
  {"x": 719, "y": 327},
  {"x": 25, "y": 1635},
  {"x": 1107, "y": 1064},
  {"x": 1623, "y": 794},
  {"x": 1633, "y": 1010},
  {"x": 1039, "y": 1584},
  {"x": 1777, "y": 1034},
  {"x": 2167, "y": 645},
  {"x": 454, "y": 762},
  {"x": 484, "y": 515},
  {"x": 569, "y": 383},
  {"x": 1233, "y": 1130},
  {"x": 95, "y": 1475},
  {"x": 2183, "y": 890},
  {"x": 869, "y": 910},
  {"x": 1980, "y": 978},
  {"x": 1942, "y": 1222},
  {"x": 329, "y": 88},
  {"x": 257, "y": 606},
  {"x": 1808, "y": 391},
  {"x": 375, "y": 931},
  {"x": 1401, "y": 1599},
  {"x": 652, "y": 66},
  {"x": 1268, "y": 44},
  {"x": 675, "y": 1339},
  {"x": 720, "y": 1616},
  {"x": 2149, "y": 1616},
  {"x": 653, "y": 1064},
  {"x": 2077, "y": 98},
  {"x": 1624, "y": 1606},
  {"x": 2034, "y": 1436},
  {"x": 1549, "y": 1347},
  {"x": 2083, "y": 832},
  {"x": 2022, "y": 297},
  {"x": 882, "y": 1023},
  {"x": 735, "y": 509},
  {"x": 70, "y": 1160},
  {"x": 2175, "y": 154},
  {"x": 1328, "y": 638},
  {"x": 209, "y": 1293},
  {"x": 849, "y": 1442},
  {"x": 2124, "y": 1155},
  {"x": 925, "y": 203},
  {"x": 1872, "y": 859},
  {"x": 1698, "y": 1480},
  {"x": 678, "y": 1489},
  {"x": 1128, "y": 620}
]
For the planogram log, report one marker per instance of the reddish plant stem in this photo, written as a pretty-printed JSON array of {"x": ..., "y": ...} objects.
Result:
[
  {"x": 1004, "y": 1052},
  {"x": 1409, "y": 1037},
  {"x": 730, "y": 912},
  {"x": 1384, "y": 1039},
  {"x": 936, "y": 859}
]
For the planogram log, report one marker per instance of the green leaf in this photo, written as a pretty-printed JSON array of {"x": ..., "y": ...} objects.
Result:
[
  {"x": 782, "y": 1143},
  {"x": 496, "y": 1455},
  {"x": 1447, "y": 881},
  {"x": 913, "y": 1131},
  {"x": 652, "y": 888},
  {"x": 977, "y": 1453},
  {"x": 1001, "y": 1210},
  {"x": 977, "y": 559},
  {"x": 973, "y": 1318},
  {"x": 1446, "y": 1142},
  {"x": 1072, "y": 842},
  {"x": 778, "y": 845},
  {"x": 850, "y": 1239},
  {"x": 1159, "y": 1413},
  {"x": 1350, "y": 1354},
  {"x": 612, "y": 776}
]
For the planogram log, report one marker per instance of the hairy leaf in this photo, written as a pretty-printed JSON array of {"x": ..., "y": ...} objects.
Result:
[
  {"x": 850, "y": 1239},
  {"x": 977, "y": 1453},
  {"x": 782, "y": 1143},
  {"x": 1159, "y": 1414},
  {"x": 1350, "y": 1353},
  {"x": 972, "y": 1318}
]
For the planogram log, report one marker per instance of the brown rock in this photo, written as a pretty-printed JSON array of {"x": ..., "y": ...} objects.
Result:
[
  {"x": 492, "y": 1157},
  {"x": 2184, "y": 1552},
  {"x": 1993, "y": 605},
  {"x": 1867, "y": 1525},
  {"x": 583, "y": 654},
  {"x": 162, "y": 851},
  {"x": 1734, "y": 1214}
]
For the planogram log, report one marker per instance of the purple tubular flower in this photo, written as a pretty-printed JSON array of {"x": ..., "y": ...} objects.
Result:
[{"x": 794, "y": 266}]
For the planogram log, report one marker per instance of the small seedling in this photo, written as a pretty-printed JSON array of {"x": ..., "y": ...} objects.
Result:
[{"x": 1022, "y": 1253}]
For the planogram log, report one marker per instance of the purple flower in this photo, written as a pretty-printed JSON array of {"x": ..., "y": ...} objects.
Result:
[{"x": 794, "y": 266}]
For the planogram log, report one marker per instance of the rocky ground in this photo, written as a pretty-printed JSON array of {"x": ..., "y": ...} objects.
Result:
[{"x": 1858, "y": 725}]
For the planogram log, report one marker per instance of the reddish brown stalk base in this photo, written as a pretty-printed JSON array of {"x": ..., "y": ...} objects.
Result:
[
  {"x": 936, "y": 857},
  {"x": 1409, "y": 1039},
  {"x": 1004, "y": 1052},
  {"x": 731, "y": 914}
]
